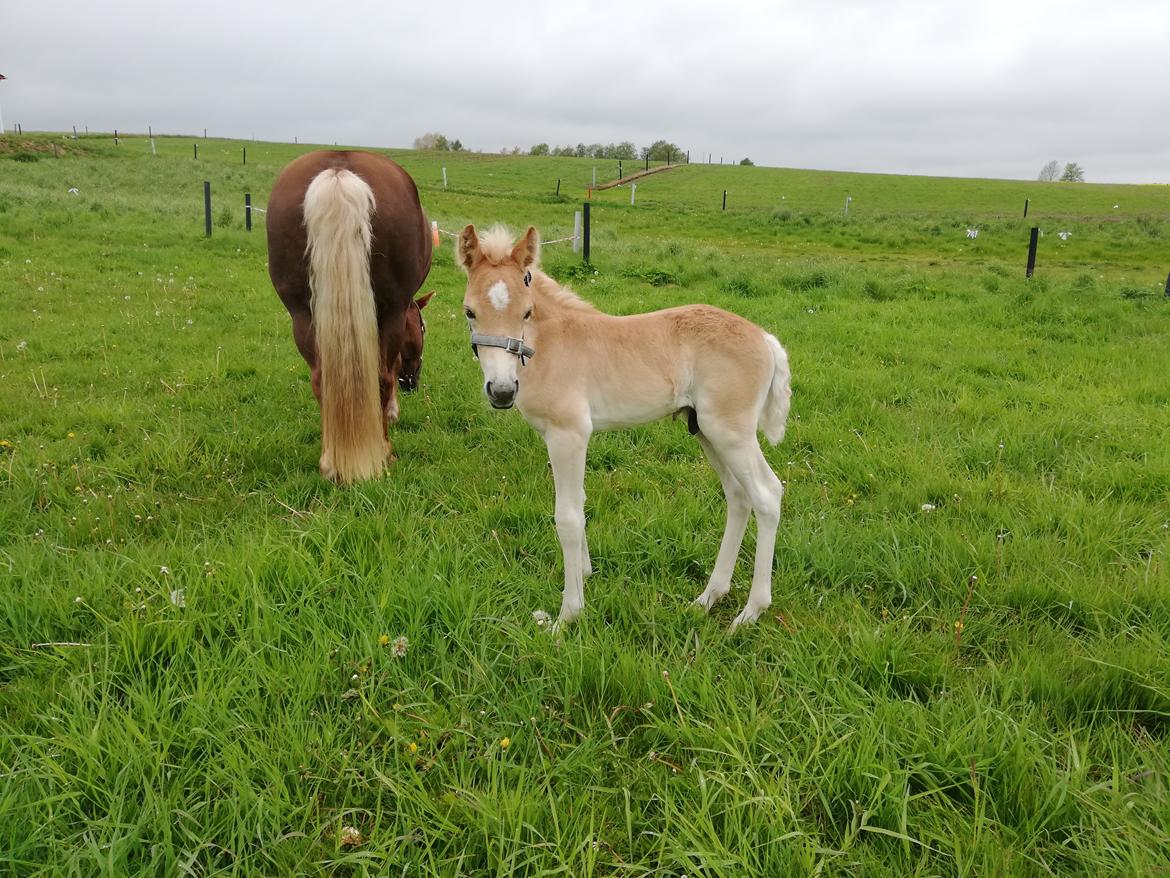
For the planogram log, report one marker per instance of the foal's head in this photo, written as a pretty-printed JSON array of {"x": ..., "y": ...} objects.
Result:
[
  {"x": 498, "y": 302},
  {"x": 410, "y": 355}
]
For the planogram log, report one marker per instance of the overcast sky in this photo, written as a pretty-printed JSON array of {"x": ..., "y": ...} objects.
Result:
[{"x": 977, "y": 89}]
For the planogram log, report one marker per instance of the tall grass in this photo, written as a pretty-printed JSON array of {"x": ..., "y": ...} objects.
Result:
[{"x": 964, "y": 671}]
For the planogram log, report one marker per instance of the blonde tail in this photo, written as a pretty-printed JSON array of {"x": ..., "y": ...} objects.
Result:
[
  {"x": 774, "y": 417},
  {"x": 338, "y": 206}
]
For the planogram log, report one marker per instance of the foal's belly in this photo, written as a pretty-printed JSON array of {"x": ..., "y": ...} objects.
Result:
[{"x": 628, "y": 408}]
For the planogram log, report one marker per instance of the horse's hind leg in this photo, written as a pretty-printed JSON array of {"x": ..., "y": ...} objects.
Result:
[
  {"x": 745, "y": 461},
  {"x": 738, "y": 510}
]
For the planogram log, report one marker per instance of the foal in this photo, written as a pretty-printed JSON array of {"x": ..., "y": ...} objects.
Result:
[{"x": 571, "y": 369}]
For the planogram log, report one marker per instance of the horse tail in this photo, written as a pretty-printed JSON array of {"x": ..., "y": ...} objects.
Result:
[
  {"x": 338, "y": 206},
  {"x": 774, "y": 415}
]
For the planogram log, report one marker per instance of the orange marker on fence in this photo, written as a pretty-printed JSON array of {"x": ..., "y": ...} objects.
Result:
[{"x": 434, "y": 233}]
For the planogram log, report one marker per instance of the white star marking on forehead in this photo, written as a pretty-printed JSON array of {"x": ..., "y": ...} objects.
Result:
[{"x": 498, "y": 294}]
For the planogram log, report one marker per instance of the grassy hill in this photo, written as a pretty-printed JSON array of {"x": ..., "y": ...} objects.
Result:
[{"x": 965, "y": 668}]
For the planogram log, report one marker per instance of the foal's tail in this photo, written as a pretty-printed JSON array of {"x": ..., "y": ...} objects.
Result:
[
  {"x": 774, "y": 416},
  {"x": 338, "y": 206}
]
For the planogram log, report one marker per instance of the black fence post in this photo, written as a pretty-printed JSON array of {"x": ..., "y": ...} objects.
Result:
[
  {"x": 558, "y": 187},
  {"x": 585, "y": 233},
  {"x": 115, "y": 137},
  {"x": 619, "y": 169},
  {"x": 197, "y": 151},
  {"x": 725, "y": 199},
  {"x": 1032, "y": 250},
  {"x": 245, "y": 149},
  {"x": 248, "y": 211},
  {"x": 207, "y": 207},
  {"x": 1025, "y": 208},
  {"x": 1168, "y": 286}
]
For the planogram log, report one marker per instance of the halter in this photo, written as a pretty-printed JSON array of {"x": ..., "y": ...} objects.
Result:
[{"x": 505, "y": 342}]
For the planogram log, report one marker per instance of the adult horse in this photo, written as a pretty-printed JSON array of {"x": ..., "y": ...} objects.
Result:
[{"x": 348, "y": 247}]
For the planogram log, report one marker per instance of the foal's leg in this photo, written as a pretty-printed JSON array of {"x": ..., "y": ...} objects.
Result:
[
  {"x": 738, "y": 510},
  {"x": 746, "y": 462},
  {"x": 566, "y": 452}
]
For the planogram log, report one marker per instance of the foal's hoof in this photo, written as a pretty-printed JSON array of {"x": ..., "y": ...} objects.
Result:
[
  {"x": 707, "y": 600},
  {"x": 747, "y": 616}
]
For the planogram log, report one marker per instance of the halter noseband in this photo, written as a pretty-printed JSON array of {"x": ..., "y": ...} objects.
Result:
[{"x": 505, "y": 342}]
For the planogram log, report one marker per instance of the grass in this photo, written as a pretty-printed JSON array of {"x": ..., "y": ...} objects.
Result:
[{"x": 233, "y": 708}]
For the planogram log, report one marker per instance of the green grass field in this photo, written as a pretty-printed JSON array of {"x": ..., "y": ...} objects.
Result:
[{"x": 965, "y": 671}]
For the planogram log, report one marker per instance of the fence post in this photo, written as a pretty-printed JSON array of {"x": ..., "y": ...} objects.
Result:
[
  {"x": 197, "y": 152},
  {"x": 725, "y": 199},
  {"x": 620, "y": 175},
  {"x": 115, "y": 137},
  {"x": 444, "y": 176},
  {"x": 245, "y": 149},
  {"x": 558, "y": 187},
  {"x": 1168, "y": 286},
  {"x": 1032, "y": 250},
  {"x": 74, "y": 132},
  {"x": 585, "y": 245},
  {"x": 577, "y": 231},
  {"x": 248, "y": 211},
  {"x": 1025, "y": 208},
  {"x": 595, "y": 178},
  {"x": 207, "y": 207},
  {"x": 633, "y": 192}
]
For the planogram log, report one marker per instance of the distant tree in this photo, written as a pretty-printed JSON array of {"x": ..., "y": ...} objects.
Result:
[
  {"x": 595, "y": 151},
  {"x": 1049, "y": 172},
  {"x": 746, "y": 162},
  {"x": 624, "y": 150},
  {"x": 539, "y": 149},
  {"x": 662, "y": 151},
  {"x": 430, "y": 140},
  {"x": 457, "y": 146},
  {"x": 564, "y": 151},
  {"x": 1072, "y": 174}
]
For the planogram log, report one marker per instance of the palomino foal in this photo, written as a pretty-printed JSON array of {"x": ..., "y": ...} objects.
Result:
[{"x": 571, "y": 370}]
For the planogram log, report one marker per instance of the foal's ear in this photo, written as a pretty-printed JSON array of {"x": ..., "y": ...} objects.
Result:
[
  {"x": 422, "y": 300},
  {"x": 467, "y": 248},
  {"x": 527, "y": 249}
]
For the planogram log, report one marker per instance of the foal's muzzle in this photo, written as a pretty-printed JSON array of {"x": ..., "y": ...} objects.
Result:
[
  {"x": 501, "y": 394},
  {"x": 408, "y": 383}
]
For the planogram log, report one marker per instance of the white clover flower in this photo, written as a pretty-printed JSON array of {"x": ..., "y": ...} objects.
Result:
[
  {"x": 179, "y": 597},
  {"x": 541, "y": 618},
  {"x": 928, "y": 507}
]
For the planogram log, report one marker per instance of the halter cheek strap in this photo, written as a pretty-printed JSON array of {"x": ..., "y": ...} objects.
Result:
[{"x": 505, "y": 342}]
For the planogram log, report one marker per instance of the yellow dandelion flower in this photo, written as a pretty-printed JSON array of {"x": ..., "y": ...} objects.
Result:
[
  {"x": 505, "y": 743},
  {"x": 72, "y": 434},
  {"x": 412, "y": 747},
  {"x": 383, "y": 640}
]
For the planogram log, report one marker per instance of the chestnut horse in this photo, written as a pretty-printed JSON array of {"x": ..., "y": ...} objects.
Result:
[
  {"x": 348, "y": 247},
  {"x": 572, "y": 370}
]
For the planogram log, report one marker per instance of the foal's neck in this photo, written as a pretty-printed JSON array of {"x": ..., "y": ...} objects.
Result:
[{"x": 557, "y": 301}]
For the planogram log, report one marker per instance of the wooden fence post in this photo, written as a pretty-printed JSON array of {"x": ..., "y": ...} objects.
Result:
[
  {"x": 1035, "y": 237},
  {"x": 207, "y": 207}
]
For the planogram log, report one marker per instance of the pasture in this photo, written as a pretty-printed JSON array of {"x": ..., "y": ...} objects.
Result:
[{"x": 965, "y": 669}]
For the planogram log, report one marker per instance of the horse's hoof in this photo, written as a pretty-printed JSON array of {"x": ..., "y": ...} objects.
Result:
[{"x": 747, "y": 616}]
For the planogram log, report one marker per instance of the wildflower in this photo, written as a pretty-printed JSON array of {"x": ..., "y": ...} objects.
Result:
[
  {"x": 541, "y": 618},
  {"x": 412, "y": 747},
  {"x": 505, "y": 743},
  {"x": 21, "y": 346},
  {"x": 72, "y": 435},
  {"x": 350, "y": 836},
  {"x": 383, "y": 640},
  {"x": 79, "y": 600},
  {"x": 164, "y": 571},
  {"x": 179, "y": 597},
  {"x": 959, "y": 626},
  {"x": 928, "y": 507},
  {"x": 399, "y": 647}
]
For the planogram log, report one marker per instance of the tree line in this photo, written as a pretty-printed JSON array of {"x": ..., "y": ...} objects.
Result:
[{"x": 658, "y": 151}]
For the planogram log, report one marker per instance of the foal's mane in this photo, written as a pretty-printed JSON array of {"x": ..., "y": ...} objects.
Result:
[{"x": 496, "y": 246}]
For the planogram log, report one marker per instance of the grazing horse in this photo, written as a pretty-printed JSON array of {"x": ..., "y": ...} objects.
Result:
[
  {"x": 571, "y": 370},
  {"x": 348, "y": 247}
]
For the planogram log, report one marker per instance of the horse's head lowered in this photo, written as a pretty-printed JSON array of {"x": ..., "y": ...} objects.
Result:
[
  {"x": 498, "y": 304},
  {"x": 414, "y": 334}
]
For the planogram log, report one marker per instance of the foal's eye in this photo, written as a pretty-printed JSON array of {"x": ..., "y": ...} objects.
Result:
[
  {"x": 470, "y": 314},
  {"x": 528, "y": 314}
]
